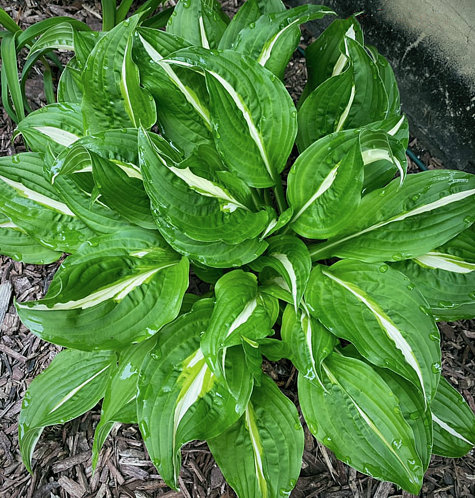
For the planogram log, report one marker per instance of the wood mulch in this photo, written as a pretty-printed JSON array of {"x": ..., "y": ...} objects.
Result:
[{"x": 62, "y": 460}]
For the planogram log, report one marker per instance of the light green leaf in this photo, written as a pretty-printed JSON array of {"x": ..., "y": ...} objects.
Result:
[
  {"x": 18, "y": 245},
  {"x": 179, "y": 398},
  {"x": 324, "y": 198},
  {"x": 262, "y": 130},
  {"x": 121, "y": 393},
  {"x": 70, "y": 87},
  {"x": 446, "y": 281},
  {"x": 110, "y": 97},
  {"x": 325, "y": 110},
  {"x": 73, "y": 383},
  {"x": 359, "y": 419},
  {"x": 213, "y": 254},
  {"x": 180, "y": 95},
  {"x": 71, "y": 175},
  {"x": 201, "y": 22},
  {"x": 272, "y": 39},
  {"x": 267, "y": 442},
  {"x": 324, "y": 57},
  {"x": 309, "y": 342},
  {"x": 199, "y": 208},
  {"x": 453, "y": 422},
  {"x": 378, "y": 310},
  {"x": 109, "y": 302},
  {"x": 55, "y": 125},
  {"x": 240, "y": 312},
  {"x": 288, "y": 257},
  {"x": 429, "y": 209},
  {"x": 32, "y": 204}
]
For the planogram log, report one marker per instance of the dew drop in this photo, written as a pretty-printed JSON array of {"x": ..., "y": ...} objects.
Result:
[
  {"x": 397, "y": 443},
  {"x": 434, "y": 336},
  {"x": 436, "y": 368}
]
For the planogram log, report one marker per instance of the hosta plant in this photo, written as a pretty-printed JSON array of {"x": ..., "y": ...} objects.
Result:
[{"x": 178, "y": 150}]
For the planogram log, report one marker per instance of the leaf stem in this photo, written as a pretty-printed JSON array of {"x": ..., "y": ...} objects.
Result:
[{"x": 279, "y": 195}]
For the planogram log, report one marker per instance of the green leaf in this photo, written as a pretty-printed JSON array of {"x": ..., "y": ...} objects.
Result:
[
  {"x": 324, "y": 57},
  {"x": 200, "y": 22},
  {"x": 71, "y": 175},
  {"x": 387, "y": 76},
  {"x": 18, "y": 245},
  {"x": 70, "y": 87},
  {"x": 262, "y": 130},
  {"x": 413, "y": 410},
  {"x": 370, "y": 100},
  {"x": 267, "y": 442},
  {"x": 180, "y": 95},
  {"x": 453, "y": 422},
  {"x": 359, "y": 419},
  {"x": 55, "y": 125},
  {"x": 122, "y": 188},
  {"x": 112, "y": 83},
  {"x": 324, "y": 198},
  {"x": 446, "y": 281},
  {"x": 139, "y": 104},
  {"x": 429, "y": 209},
  {"x": 59, "y": 36},
  {"x": 109, "y": 301},
  {"x": 324, "y": 111},
  {"x": 240, "y": 312},
  {"x": 287, "y": 257},
  {"x": 10, "y": 77},
  {"x": 309, "y": 342},
  {"x": 179, "y": 399},
  {"x": 121, "y": 393},
  {"x": 201, "y": 209},
  {"x": 213, "y": 254},
  {"x": 73, "y": 383},
  {"x": 378, "y": 310},
  {"x": 272, "y": 39},
  {"x": 32, "y": 204}
]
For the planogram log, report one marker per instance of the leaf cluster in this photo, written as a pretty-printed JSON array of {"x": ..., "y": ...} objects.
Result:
[{"x": 165, "y": 152}]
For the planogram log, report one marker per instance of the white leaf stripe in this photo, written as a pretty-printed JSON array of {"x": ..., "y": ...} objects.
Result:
[
  {"x": 286, "y": 263},
  {"x": 444, "y": 201},
  {"x": 450, "y": 430},
  {"x": 396, "y": 128},
  {"x": 267, "y": 50},
  {"x": 387, "y": 325},
  {"x": 74, "y": 391},
  {"x": 253, "y": 131},
  {"x": 243, "y": 317},
  {"x": 117, "y": 291},
  {"x": 340, "y": 63},
  {"x": 188, "y": 93},
  {"x": 441, "y": 261},
  {"x": 373, "y": 155},
  {"x": 346, "y": 111},
  {"x": 37, "y": 197},
  {"x": 325, "y": 185},
  {"x": 204, "y": 38},
  {"x": 206, "y": 187},
  {"x": 125, "y": 88},
  {"x": 257, "y": 449},
  {"x": 58, "y": 135}
]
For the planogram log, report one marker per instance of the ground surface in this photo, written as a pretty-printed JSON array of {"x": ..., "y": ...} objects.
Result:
[{"x": 62, "y": 460}]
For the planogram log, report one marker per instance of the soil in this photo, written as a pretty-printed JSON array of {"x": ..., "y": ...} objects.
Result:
[{"x": 62, "y": 460}]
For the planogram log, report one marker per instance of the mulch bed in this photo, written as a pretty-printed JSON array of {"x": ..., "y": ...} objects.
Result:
[{"x": 62, "y": 460}]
